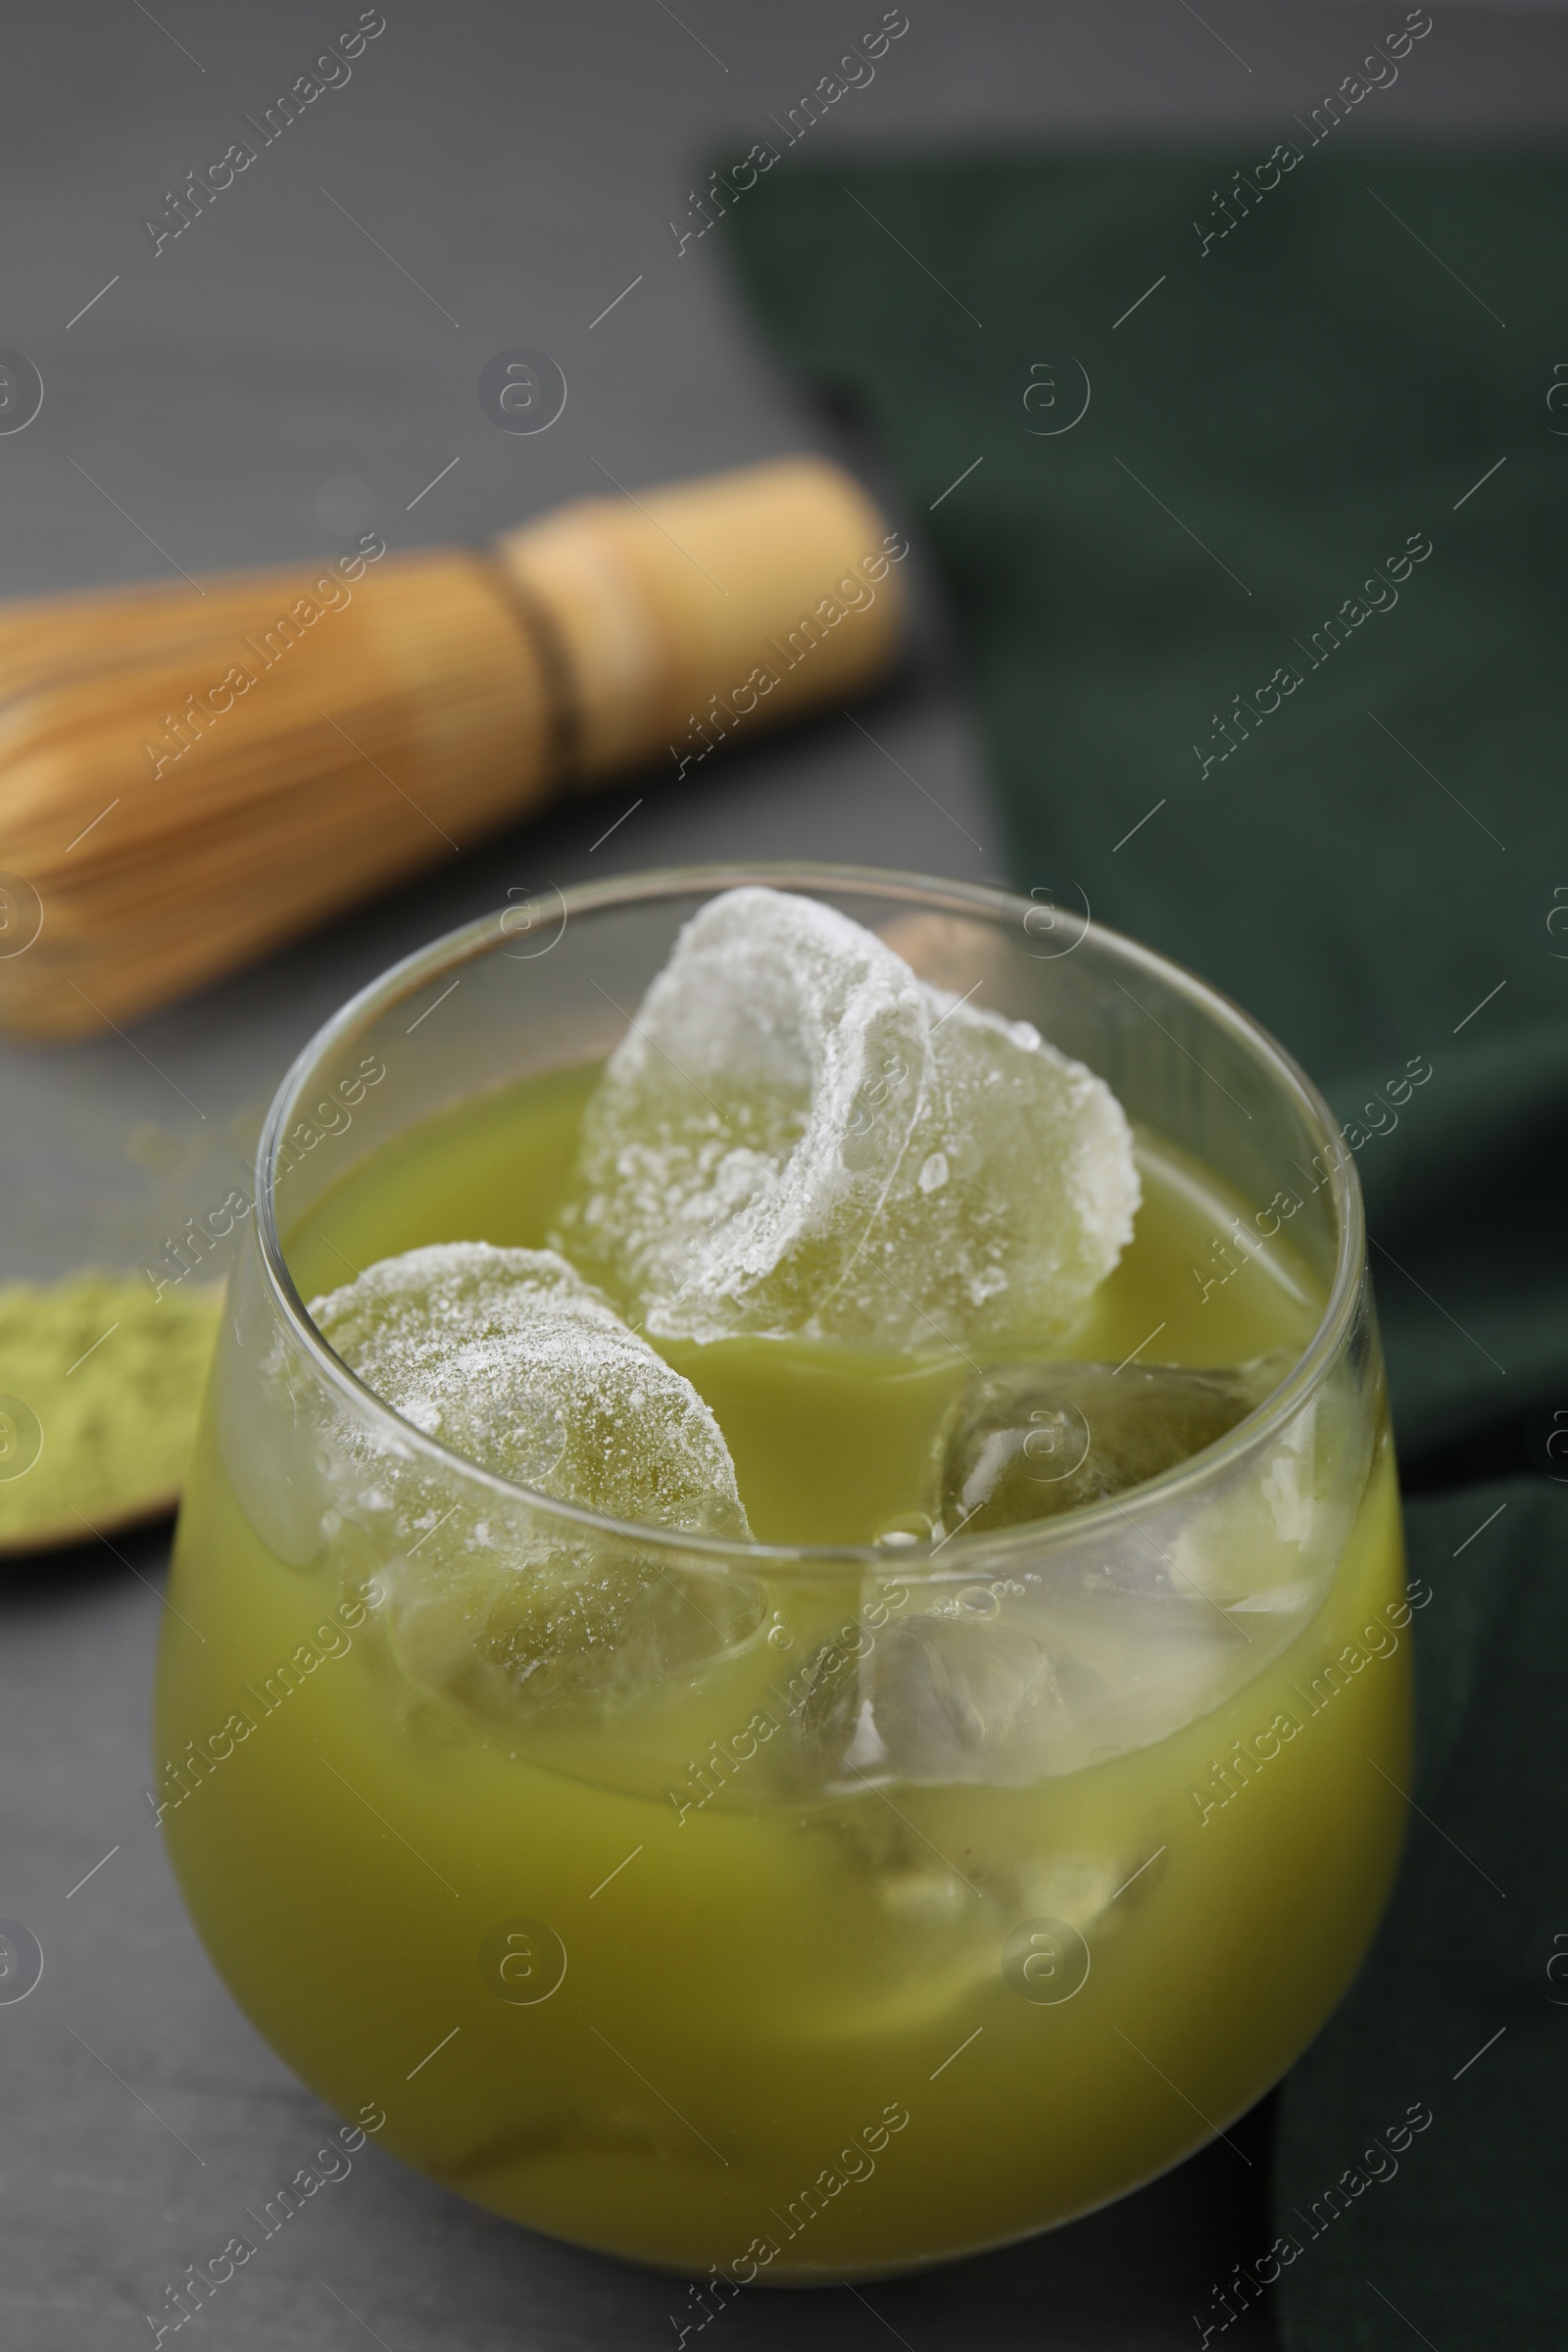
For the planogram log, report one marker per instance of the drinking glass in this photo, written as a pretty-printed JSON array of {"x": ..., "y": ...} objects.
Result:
[{"x": 637, "y": 1950}]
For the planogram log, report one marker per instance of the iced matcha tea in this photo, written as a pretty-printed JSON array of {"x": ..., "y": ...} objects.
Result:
[{"x": 800, "y": 1576}]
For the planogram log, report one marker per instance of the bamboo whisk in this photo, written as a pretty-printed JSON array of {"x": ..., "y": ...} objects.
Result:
[{"x": 190, "y": 777}]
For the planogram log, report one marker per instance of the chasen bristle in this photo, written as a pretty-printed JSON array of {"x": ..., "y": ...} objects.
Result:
[{"x": 192, "y": 776}]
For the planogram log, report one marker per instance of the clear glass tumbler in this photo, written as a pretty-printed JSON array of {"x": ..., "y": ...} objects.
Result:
[{"x": 641, "y": 1952}]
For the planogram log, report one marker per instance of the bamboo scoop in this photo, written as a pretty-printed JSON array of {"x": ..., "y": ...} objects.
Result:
[{"x": 191, "y": 776}]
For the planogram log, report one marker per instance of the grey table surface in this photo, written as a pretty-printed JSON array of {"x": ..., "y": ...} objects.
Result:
[{"x": 300, "y": 365}]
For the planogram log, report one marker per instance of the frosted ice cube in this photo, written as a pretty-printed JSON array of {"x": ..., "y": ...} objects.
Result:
[
  {"x": 796, "y": 1136},
  {"x": 745, "y": 1130},
  {"x": 496, "y": 1607},
  {"x": 1017, "y": 1191},
  {"x": 1032, "y": 1441},
  {"x": 510, "y": 1357}
]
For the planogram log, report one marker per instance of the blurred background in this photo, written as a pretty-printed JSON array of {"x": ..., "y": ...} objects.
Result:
[{"x": 298, "y": 369}]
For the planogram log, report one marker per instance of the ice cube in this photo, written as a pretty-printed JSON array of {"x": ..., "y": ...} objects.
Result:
[
  {"x": 950, "y": 1694},
  {"x": 745, "y": 1130},
  {"x": 510, "y": 1357},
  {"x": 938, "y": 1698},
  {"x": 1033, "y": 1441},
  {"x": 1017, "y": 1191},
  {"x": 797, "y": 1137},
  {"x": 502, "y": 1632},
  {"x": 492, "y": 1605},
  {"x": 1267, "y": 1551}
]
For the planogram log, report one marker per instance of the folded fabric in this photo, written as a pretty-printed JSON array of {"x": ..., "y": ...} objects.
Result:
[{"x": 1245, "y": 472}]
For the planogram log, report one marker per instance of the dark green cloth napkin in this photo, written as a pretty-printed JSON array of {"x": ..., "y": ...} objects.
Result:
[{"x": 1250, "y": 485}]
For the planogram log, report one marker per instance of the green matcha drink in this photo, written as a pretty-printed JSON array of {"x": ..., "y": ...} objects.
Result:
[{"x": 851, "y": 1818}]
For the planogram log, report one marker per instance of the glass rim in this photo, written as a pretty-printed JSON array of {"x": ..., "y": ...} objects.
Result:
[{"x": 917, "y": 1562}]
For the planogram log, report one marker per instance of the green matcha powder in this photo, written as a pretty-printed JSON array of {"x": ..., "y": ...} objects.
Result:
[{"x": 100, "y": 1386}]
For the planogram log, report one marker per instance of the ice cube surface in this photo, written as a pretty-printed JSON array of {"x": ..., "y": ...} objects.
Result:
[
  {"x": 505, "y": 1632},
  {"x": 1033, "y": 1441},
  {"x": 797, "y": 1137},
  {"x": 937, "y": 1698},
  {"x": 1019, "y": 1187},
  {"x": 511, "y": 1358},
  {"x": 494, "y": 1607}
]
